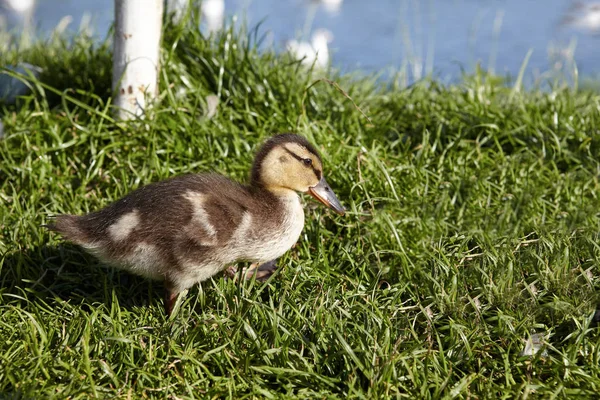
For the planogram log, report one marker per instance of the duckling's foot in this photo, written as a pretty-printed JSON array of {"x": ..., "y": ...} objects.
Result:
[
  {"x": 262, "y": 272},
  {"x": 170, "y": 299}
]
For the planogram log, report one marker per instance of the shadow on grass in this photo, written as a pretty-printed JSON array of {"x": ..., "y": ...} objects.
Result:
[{"x": 52, "y": 275}]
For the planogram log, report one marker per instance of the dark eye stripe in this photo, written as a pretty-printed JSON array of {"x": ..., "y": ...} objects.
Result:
[
  {"x": 297, "y": 157},
  {"x": 317, "y": 173}
]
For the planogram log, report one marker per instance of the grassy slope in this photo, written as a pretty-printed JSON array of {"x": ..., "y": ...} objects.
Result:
[{"x": 479, "y": 207}]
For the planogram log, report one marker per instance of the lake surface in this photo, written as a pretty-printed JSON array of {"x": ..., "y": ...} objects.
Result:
[{"x": 419, "y": 37}]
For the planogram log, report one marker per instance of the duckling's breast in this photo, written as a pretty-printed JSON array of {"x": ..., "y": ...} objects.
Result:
[
  {"x": 261, "y": 235},
  {"x": 270, "y": 239}
]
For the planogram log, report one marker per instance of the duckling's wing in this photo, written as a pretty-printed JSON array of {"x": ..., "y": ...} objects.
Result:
[{"x": 206, "y": 208}]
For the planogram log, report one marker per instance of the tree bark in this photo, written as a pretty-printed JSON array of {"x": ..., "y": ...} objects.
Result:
[{"x": 138, "y": 27}]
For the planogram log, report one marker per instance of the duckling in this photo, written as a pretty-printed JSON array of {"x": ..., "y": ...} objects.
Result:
[
  {"x": 316, "y": 52},
  {"x": 186, "y": 229}
]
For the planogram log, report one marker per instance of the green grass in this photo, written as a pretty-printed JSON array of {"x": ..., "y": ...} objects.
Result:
[{"x": 473, "y": 223}]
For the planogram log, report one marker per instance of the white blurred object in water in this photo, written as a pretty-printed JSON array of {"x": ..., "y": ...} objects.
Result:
[
  {"x": 213, "y": 12},
  {"x": 316, "y": 52},
  {"x": 18, "y": 15},
  {"x": 17, "y": 6},
  {"x": 585, "y": 16},
  {"x": 331, "y": 6}
]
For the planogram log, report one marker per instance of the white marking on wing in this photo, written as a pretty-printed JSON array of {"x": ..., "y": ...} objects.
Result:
[
  {"x": 241, "y": 233},
  {"x": 201, "y": 217},
  {"x": 124, "y": 226}
]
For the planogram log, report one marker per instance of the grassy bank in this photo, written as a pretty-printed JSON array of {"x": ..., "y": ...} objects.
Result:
[{"x": 473, "y": 224}]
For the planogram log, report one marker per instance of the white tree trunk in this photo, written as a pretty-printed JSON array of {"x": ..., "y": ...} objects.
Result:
[{"x": 138, "y": 26}]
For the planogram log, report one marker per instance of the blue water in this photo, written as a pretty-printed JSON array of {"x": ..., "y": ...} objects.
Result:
[{"x": 420, "y": 37}]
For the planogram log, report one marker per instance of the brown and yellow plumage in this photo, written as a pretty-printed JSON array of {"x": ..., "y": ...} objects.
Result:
[{"x": 188, "y": 228}]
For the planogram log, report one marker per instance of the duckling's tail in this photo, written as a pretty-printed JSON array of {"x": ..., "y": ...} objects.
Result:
[{"x": 67, "y": 226}]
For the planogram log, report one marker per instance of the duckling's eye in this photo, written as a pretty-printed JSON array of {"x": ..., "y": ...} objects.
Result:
[{"x": 307, "y": 162}]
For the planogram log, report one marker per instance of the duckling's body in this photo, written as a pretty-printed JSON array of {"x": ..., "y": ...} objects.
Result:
[{"x": 186, "y": 229}]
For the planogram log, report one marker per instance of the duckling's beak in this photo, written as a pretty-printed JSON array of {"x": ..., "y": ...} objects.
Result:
[{"x": 325, "y": 195}]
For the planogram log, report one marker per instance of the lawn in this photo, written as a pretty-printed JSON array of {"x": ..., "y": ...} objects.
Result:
[{"x": 472, "y": 225}]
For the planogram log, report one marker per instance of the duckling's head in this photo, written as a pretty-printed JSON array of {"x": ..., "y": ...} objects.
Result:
[{"x": 288, "y": 162}]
